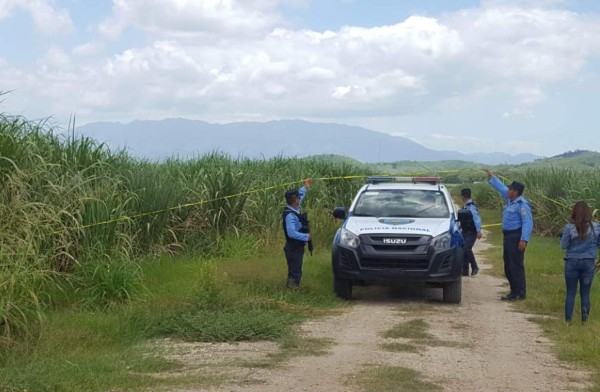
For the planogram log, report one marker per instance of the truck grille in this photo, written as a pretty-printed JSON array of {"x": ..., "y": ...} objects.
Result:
[
  {"x": 397, "y": 248},
  {"x": 386, "y": 245},
  {"x": 394, "y": 251},
  {"x": 386, "y": 263}
]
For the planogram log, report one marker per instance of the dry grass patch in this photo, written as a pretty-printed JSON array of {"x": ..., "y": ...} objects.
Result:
[
  {"x": 402, "y": 347},
  {"x": 416, "y": 331},
  {"x": 413, "y": 329},
  {"x": 392, "y": 379},
  {"x": 293, "y": 346}
]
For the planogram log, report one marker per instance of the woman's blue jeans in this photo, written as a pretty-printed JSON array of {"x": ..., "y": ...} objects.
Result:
[{"x": 578, "y": 271}]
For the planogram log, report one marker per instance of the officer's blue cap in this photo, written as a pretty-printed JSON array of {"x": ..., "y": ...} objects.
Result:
[
  {"x": 291, "y": 194},
  {"x": 517, "y": 186}
]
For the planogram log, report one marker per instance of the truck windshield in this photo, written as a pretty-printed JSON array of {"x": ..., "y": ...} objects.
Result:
[{"x": 410, "y": 203}]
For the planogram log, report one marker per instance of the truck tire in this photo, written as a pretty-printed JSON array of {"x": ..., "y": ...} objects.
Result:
[
  {"x": 342, "y": 287},
  {"x": 453, "y": 292}
]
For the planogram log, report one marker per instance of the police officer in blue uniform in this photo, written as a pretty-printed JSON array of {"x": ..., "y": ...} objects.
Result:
[
  {"x": 517, "y": 225},
  {"x": 296, "y": 231},
  {"x": 471, "y": 232}
]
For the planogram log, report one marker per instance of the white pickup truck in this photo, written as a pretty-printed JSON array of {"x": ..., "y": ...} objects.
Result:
[{"x": 399, "y": 229}]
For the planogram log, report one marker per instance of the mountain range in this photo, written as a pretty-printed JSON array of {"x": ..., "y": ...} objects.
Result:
[{"x": 159, "y": 139}]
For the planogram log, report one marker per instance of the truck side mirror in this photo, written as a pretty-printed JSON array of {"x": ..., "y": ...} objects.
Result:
[{"x": 339, "y": 212}]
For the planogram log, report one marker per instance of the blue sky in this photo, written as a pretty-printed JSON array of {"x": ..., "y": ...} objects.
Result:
[{"x": 512, "y": 76}]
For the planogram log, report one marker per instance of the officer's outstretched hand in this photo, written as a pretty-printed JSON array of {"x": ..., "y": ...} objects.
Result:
[
  {"x": 479, "y": 235},
  {"x": 489, "y": 173},
  {"x": 308, "y": 182}
]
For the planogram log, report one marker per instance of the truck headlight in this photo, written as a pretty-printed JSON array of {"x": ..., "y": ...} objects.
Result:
[
  {"x": 347, "y": 238},
  {"x": 442, "y": 241}
]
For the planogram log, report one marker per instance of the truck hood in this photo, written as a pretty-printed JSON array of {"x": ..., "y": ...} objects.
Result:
[{"x": 373, "y": 225}]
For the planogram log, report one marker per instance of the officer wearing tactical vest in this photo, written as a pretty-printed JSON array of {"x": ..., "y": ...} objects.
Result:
[
  {"x": 297, "y": 232},
  {"x": 517, "y": 225},
  {"x": 471, "y": 231}
]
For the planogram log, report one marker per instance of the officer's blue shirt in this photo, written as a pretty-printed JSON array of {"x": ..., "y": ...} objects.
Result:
[
  {"x": 580, "y": 248},
  {"x": 292, "y": 223},
  {"x": 517, "y": 213},
  {"x": 476, "y": 218}
]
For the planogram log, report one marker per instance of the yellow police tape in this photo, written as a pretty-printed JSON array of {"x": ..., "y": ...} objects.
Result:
[
  {"x": 198, "y": 203},
  {"x": 491, "y": 225},
  {"x": 288, "y": 184}
]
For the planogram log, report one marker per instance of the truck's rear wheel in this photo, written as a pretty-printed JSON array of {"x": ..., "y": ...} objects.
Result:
[
  {"x": 342, "y": 287},
  {"x": 453, "y": 292}
]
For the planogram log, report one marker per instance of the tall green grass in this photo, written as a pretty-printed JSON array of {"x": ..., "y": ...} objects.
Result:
[{"x": 77, "y": 217}]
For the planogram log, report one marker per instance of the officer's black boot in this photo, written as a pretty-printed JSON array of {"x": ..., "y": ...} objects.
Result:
[{"x": 291, "y": 284}]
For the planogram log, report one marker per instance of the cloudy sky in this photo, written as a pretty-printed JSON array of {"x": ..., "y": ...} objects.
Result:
[{"x": 475, "y": 76}]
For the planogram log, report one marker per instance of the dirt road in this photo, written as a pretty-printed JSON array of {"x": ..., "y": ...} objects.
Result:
[{"x": 489, "y": 346}]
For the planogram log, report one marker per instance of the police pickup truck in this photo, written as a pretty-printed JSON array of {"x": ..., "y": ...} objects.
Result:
[{"x": 399, "y": 229}]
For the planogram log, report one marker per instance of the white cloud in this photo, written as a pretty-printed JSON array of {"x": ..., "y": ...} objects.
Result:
[
  {"x": 316, "y": 74},
  {"x": 46, "y": 18},
  {"x": 88, "y": 49},
  {"x": 57, "y": 58},
  {"x": 525, "y": 49},
  {"x": 301, "y": 70},
  {"x": 96, "y": 99},
  {"x": 439, "y": 136},
  {"x": 192, "y": 19},
  {"x": 423, "y": 37},
  {"x": 229, "y": 59},
  {"x": 543, "y": 45}
]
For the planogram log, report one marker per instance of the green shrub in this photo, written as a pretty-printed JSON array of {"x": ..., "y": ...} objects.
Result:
[
  {"x": 108, "y": 282},
  {"x": 230, "y": 325}
]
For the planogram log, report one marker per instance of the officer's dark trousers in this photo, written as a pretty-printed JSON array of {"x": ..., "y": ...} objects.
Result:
[
  {"x": 514, "y": 267},
  {"x": 470, "y": 239},
  {"x": 294, "y": 255}
]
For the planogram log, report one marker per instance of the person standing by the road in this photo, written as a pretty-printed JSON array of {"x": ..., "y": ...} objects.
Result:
[
  {"x": 581, "y": 239},
  {"x": 296, "y": 231},
  {"x": 471, "y": 232},
  {"x": 517, "y": 225}
]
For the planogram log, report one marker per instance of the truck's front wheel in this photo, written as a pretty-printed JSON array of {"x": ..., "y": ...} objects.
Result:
[
  {"x": 342, "y": 287},
  {"x": 453, "y": 292}
]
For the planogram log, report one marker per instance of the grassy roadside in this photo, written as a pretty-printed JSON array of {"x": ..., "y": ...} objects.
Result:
[
  {"x": 186, "y": 298},
  {"x": 236, "y": 299},
  {"x": 576, "y": 344}
]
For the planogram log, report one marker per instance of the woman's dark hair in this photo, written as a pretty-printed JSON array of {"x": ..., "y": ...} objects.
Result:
[{"x": 581, "y": 217}]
